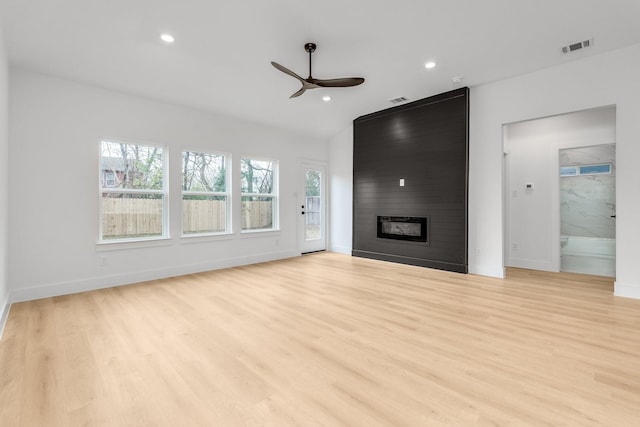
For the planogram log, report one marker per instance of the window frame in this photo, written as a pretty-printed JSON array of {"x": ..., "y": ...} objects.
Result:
[
  {"x": 164, "y": 192},
  {"x": 274, "y": 195},
  {"x": 226, "y": 193}
]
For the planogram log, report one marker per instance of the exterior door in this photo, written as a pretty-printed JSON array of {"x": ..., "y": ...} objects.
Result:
[{"x": 312, "y": 208}]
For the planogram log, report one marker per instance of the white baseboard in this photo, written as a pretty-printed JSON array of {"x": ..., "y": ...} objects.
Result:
[
  {"x": 4, "y": 315},
  {"x": 341, "y": 249},
  {"x": 627, "y": 291},
  {"x": 487, "y": 270},
  {"x": 93, "y": 283}
]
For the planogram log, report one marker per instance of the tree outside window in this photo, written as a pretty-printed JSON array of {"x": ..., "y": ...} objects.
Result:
[
  {"x": 205, "y": 199},
  {"x": 259, "y": 199}
]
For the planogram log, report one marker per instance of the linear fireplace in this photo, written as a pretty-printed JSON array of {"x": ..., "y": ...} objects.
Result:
[{"x": 409, "y": 228}]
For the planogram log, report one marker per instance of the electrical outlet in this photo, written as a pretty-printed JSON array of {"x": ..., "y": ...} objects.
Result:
[
  {"x": 514, "y": 246},
  {"x": 103, "y": 261},
  {"x": 478, "y": 252}
]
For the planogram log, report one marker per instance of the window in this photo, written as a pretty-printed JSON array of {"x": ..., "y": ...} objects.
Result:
[
  {"x": 604, "y": 168},
  {"x": 205, "y": 199},
  {"x": 109, "y": 178},
  {"x": 595, "y": 169},
  {"x": 259, "y": 194},
  {"x": 133, "y": 198},
  {"x": 568, "y": 171}
]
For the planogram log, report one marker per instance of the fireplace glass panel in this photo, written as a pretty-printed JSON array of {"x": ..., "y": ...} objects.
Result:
[
  {"x": 408, "y": 228},
  {"x": 401, "y": 228}
]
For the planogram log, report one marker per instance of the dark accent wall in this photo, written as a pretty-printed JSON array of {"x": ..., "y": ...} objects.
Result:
[{"x": 426, "y": 143}]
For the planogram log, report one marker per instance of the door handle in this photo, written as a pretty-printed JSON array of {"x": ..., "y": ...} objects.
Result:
[{"x": 613, "y": 216}]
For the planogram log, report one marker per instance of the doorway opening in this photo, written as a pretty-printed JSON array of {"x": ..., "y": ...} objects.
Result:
[{"x": 544, "y": 209}]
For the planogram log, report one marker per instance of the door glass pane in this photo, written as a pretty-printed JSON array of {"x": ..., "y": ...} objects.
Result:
[{"x": 313, "y": 209}]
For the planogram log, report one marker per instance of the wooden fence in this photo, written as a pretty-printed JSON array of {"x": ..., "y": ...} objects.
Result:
[
  {"x": 313, "y": 211},
  {"x": 257, "y": 214},
  {"x": 203, "y": 216},
  {"x": 123, "y": 217},
  {"x": 143, "y": 217}
]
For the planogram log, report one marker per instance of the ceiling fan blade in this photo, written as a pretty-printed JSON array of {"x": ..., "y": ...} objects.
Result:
[
  {"x": 298, "y": 93},
  {"x": 343, "y": 82},
  {"x": 286, "y": 71}
]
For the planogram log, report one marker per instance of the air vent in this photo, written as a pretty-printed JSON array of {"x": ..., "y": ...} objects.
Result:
[
  {"x": 398, "y": 100},
  {"x": 577, "y": 46}
]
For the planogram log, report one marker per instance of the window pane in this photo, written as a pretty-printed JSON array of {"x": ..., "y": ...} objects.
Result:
[
  {"x": 595, "y": 169},
  {"x": 257, "y": 213},
  {"x": 313, "y": 209},
  {"x": 203, "y": 172},
  {"x": 204, "y": 214},
  {"x": 257, "y": 176},
  {"x": 568, "y": 171},
  {"x": 127, "y": 216},
  {"x": 133, "y": 166}
]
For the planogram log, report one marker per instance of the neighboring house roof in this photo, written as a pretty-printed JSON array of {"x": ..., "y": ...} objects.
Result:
[{"x": 113, "y": 164}]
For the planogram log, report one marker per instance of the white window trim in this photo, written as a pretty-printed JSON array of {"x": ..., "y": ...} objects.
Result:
[
  {"x": 103, "y": 244},
  {"x": 120, "y": 244}
]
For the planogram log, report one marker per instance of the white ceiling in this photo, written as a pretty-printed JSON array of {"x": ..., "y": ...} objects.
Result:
[{"x": 220, "y": 61}]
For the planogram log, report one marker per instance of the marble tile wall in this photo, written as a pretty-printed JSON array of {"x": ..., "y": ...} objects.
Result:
[{"x": 588, "y": 201}]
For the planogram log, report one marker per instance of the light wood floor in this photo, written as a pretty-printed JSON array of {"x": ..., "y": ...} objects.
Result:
[{"x": 327, "y": 340}]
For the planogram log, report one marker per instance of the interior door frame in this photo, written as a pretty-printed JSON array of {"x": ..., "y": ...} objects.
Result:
[
  {"x": 303, "y": 165},
  {"x": 555, "y": 190}
]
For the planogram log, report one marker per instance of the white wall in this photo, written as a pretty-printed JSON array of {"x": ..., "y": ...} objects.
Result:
[
  {"x": 341, "y": 186},
  {"x": 607, "y": 79},
  {"x": 4, "y": 187},
  {"x": 54, "y": 139},
  {"x": 533, "y": 221}
]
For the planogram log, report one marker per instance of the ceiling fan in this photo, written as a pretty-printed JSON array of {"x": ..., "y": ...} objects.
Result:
[{"x": 311, "y": 83}]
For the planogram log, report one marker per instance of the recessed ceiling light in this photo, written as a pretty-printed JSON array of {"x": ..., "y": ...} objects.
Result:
[
  {"x": 429, "y": 65},
  {"x": 326, "y": 98},
  {"x": 167, "y": 38}
]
